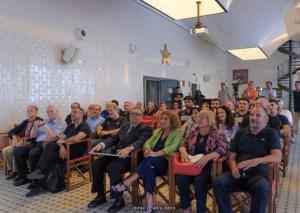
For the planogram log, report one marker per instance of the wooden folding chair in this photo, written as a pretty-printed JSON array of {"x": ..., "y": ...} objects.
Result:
[
  {"x": 74, "y": 163},
  {"x": 285, "y": 154},
  {"x": 243, "y": 200}
]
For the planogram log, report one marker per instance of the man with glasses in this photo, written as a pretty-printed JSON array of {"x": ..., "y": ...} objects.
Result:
[{"x": 130, "y": 137}]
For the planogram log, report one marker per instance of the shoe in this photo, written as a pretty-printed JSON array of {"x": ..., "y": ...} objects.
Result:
[
  {"x": 17, "y": 178},
  {"x": 118, "y": 205},
  {"x": 11, "y": 175},
  {"x": 97, "y": 201},
  {"x": 36, "y": 175},
  {"x": 33, "y": 184},
  {"x": 21, "y": 182},
  {"x": 35, "y": 191},
  {"x": 120, "y": 187}
]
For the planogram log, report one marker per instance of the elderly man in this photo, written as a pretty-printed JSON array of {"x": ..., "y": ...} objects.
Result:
[
  {"x": 95, "y": 119},
  {"x": 130, "y": 137},
  {"x": 250, "y": 152},
  {"x": 47, "y": 130},
  {"x": 22, "y": 130},
  {"x": 56, "y": 153}
]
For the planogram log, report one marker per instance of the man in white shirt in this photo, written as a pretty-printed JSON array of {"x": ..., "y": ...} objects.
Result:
[
  {"x": 268, "y": 92},
  {"x": 285, "y": 112}
]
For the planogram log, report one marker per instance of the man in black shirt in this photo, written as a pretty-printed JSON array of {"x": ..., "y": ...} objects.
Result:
[
  {"x": 296, "y": 113},
  {"x": 242, "y": 112},
  {"x": 56, "y": 153},
  {"x": 250, "y": 152},
  {"x": 284, "y": 122},
  {"x": 130, "y": 137},
  {"x": 127, "y": 107},
  {"x": 185, "y": 114}
]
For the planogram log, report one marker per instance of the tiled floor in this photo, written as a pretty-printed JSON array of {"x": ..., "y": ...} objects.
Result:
[{"x": 12, "y": 198}]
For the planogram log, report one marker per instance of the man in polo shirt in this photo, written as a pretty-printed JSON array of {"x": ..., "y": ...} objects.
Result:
[
  {"x": 186, "y": 113},
  {"x": 21, "y": 130},
  {"x": 95, "y": 120},
  {"x": 56, "y": 153},
  {"x": 284, "y": 122},
  {"x": 47, "y": 130},
  {"x": 130, "y": 137},
  {"x": 111, "y": 125},
  {"x": 250, "y": 152},
  {"x": 242, "y": 112}
]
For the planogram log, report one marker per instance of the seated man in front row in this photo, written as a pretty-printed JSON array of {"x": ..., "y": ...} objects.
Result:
[
  {"x": 131, "y": 137},
  {"x": 56, "y": 152},
  {"x": 250, "y": 152}
]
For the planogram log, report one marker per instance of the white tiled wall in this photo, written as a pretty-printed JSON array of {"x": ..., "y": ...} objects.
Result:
[{"x": 33, "y": 34}]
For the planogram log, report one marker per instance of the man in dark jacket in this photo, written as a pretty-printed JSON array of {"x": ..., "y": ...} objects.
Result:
[
  {"x": 130, "y": 137},
  {"x": 21, "y": 130}
]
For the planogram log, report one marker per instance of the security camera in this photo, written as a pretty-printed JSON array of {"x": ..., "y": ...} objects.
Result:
[{"x": 80, "y": 33}]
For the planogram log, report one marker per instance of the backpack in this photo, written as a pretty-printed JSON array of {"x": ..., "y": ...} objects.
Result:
[{"x": 55, "y": 181}]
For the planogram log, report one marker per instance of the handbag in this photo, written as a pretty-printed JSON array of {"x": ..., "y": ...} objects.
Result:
[{"x": 183, "y": 168}]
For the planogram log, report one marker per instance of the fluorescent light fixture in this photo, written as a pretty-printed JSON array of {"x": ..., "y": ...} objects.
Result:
[
  {"x": 183, "y": 9},
  {"x": 254, "y": 53}
]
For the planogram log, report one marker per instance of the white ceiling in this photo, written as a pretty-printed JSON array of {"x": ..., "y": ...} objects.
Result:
[{"x": 248, "y": 23}]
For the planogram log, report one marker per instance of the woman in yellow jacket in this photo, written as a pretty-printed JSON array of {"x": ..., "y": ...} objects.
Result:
[{"x": 163, "y": 142}]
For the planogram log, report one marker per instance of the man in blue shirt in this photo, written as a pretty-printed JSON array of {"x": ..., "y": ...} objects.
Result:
[
  {"x": 47, "y": 130},
  {"x": 250, "y": 152},
  {"x": 96, "y": 119}
]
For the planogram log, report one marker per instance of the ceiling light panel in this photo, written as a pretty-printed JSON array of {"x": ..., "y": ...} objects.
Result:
[
  {"x": 183, "y": 9},
  {"x": 254, "y": 53}
]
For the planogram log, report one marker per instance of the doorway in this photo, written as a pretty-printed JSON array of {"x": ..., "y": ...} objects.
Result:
[{"x": 159, "y": 89}]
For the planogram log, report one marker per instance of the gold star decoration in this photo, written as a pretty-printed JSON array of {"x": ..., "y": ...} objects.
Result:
[{"x": 165, "y": 55}]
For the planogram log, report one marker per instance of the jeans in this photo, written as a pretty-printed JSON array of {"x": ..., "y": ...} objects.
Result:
[{"x": 258, "y": 186}]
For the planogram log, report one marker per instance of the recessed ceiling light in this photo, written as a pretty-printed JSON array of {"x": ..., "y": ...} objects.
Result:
[
  {"x": 183, "y": 9},
  {"x": 254, "y": 53}
]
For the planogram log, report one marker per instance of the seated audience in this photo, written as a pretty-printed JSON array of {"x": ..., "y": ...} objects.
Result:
[
  {"x": 95, "y": 119},
  {"x": 226, "y": 123},
  {"x": 74, "y": 105},
  {"x": 175, "y": 107},
  {"x": 273, "y": 122},
  {"x": 250, "y": 152},
  {"x": 117, "y": 103},
  {"x": 104, "y": 113},
  {"x": 46, "y": 130},
  {"x": 285, "y": 112},
  {"x": 192, "y": 120},
  {"x": 90, "y": 110},
  {"x": 21, "y": 130},
  {"x": 242, "y": 112},
  {"x": 163, "y": 142},
  {"x": 130, "y": 137},
  {"x": 111, "y": 125},
  {"x": 205, "y": 106},
  {"x": 177, "y": 97},
  {"x": 199, "y": 98},
  {"x": 186, "y": 113},
  {"x": 268, "y": 92},
  {"x": 231, "y": 106},
  {"x": 215, "y": 104},
  {"x": 150, "y": 109},
  {"x": 284, "y": 122},
  {"x": 56, "y": 152},
  {"x": 139, "y": 104},
  {"x": 203, "y": 139},
  {"x": 127, "y": 107}
]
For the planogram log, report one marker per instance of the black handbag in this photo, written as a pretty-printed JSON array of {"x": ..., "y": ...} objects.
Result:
[{"x": 55, "y": 181}]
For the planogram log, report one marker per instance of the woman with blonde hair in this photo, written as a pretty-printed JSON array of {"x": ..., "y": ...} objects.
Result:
[
  {"x": 163, "y": 142},
  {"x": 202, "y": 139}
]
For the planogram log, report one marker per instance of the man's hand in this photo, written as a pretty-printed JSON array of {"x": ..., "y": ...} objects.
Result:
[
  {"x": 14, "y": 141},
  {"x": 62, "y": 152},
  {"x": 203, "y": 161},
  {"x": 147, "y": 152},
  {"x": 103, "y": 132},
  {"x": 235, "y": 173},
  {"x": 97, "y": 148},
  {"x": 123, "y": 153},
  {"x": 248, "y": 164},
  {"x": 38, "y": 123}
]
